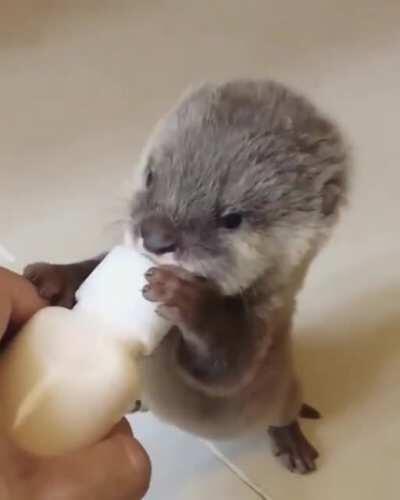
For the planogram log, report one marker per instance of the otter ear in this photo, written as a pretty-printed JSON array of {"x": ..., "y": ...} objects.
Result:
[
  {"x": 332, "y": 186},
  {"x": 331, "y": 197}
]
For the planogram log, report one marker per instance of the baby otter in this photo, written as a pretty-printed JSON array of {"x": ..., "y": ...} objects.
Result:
[{"x": 235, "y": 193}]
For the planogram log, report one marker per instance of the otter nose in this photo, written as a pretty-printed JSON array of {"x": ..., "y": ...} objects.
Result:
[{"x": 159, "y": 235}]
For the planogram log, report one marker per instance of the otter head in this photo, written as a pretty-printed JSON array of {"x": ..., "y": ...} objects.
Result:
[{"x": 239, "y": 180}]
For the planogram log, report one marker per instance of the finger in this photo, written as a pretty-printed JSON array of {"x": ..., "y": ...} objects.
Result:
[
  {"x": 118, "y": 468},
  {"x": 5, "y": 313},
  {"x": 21, "y": 294},
  {"x": 122, "y": 428}
]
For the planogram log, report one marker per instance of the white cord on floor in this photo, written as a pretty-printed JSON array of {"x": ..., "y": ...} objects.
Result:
[{"x": 236, "y": 471}]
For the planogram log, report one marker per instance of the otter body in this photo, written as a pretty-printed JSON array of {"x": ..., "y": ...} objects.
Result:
[{"x": 271, "y": 396}]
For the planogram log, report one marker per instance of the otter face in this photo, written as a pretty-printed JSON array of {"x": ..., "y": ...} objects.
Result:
[{"x": 240, "y": 179}]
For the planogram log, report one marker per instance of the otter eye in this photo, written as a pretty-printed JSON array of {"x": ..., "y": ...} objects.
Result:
[
  {"x": 149, "y": 178},
  {"x": 232, "y": 220}
]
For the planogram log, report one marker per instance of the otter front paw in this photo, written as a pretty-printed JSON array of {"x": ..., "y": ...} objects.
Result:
[
  {"x": 55, "y": 283},
  {"x": 185, "y": 299}
]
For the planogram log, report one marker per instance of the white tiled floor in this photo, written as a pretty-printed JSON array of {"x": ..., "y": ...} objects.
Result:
[{"x": 81, "y": 83}]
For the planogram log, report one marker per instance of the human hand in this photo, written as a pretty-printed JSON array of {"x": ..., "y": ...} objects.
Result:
[
  {"x": 19, "y": 300},
  {"x": 118, "y": 468}
]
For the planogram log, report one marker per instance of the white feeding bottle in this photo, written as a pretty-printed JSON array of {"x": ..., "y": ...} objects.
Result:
[{"x": 70, "y": 375}]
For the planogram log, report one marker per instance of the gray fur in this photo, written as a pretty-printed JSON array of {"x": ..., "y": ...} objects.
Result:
[
  {"x": 253, "y": 147},
  {"x": 257, "y": 148}
]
